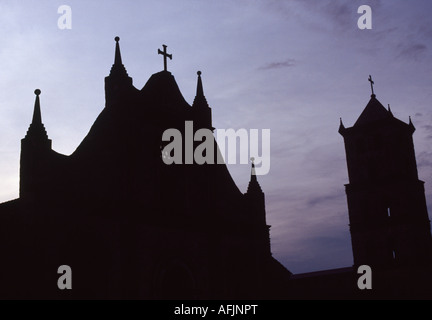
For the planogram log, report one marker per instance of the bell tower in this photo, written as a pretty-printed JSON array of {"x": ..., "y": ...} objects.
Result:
[{"x": 388, "y": 217}]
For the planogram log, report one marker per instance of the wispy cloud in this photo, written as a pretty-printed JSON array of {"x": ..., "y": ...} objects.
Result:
[
  {"x": 413, "y": 51},
  {"x": 424, "y": 159},
  {"x": 329, "y": 199},
  {"x": 280, "y": 64},
  {"x": 427, "y": 127}
]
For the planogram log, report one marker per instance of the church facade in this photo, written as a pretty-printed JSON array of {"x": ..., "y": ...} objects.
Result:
[{"x": 128, "y": 225}]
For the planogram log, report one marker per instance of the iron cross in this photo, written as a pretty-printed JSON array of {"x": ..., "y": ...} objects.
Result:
[
  {"x": 372, "y": 83},
  {"x": 165, "y": 55}
]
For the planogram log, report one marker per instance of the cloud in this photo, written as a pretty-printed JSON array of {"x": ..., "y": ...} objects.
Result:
[
  {"x": 280, "y": 64},
  {"x": 427, "y": 127},
  {"x": 413, "y": 51},
  {"x": 424, "y": 159},
  {"x": 341, "y": 13},
  {"x": 329, "y": 199}
]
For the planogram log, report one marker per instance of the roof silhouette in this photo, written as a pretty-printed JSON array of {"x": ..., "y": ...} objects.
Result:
[{"x": 374, "y": 111}]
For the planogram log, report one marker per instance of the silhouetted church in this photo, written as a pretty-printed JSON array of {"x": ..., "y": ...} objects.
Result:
[{"x": 131, "y": 226}]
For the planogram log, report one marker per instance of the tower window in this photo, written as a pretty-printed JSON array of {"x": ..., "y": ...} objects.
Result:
[{"x": 388, "y": 212}]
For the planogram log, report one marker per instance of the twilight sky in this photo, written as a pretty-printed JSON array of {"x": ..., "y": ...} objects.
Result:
[{"x": 294, "y": 67}]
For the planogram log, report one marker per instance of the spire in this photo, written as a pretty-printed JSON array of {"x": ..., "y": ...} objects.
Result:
[
  {"x": 200, "y": 107},
  {"x": 341, "y": 127},
  {"x": 118, "y": 82},
  {"x": 37, "y": 129},
  {"x": 117, "y": 57},
  {"x": 200, "y": 91},
  {"x": 253, "y": 172},
  {"x": 118, "y": 68},
  {"x": 253, "y": 186},
  {"x": 37, "y": 117},
  {"x": 200, "y": 100},
  {"x": 411, "y": 125},
  {"x": 389, "y": 110}
]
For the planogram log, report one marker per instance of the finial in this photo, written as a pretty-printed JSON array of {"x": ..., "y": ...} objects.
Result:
[
  {"x": 117, "y": 56},
  {"x": 165, "y": 56},
  {"x": 253, "y": 173},
  {"x": 37, "y": 118},
  {"x": 341, "y": 127},
  {"x": 253, "y": 186},
  {"x": 200, "y": 90},
  {"x": 372, "y": 83},
  {"x": 389, "y": 110},
  {"x": 411, "y": 125}
]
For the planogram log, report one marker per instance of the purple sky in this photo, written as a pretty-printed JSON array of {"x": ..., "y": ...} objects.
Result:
[{"x": 294, "y": 67}]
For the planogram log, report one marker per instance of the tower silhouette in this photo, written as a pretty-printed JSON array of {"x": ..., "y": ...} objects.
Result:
[{"x": 388, "y": 217}]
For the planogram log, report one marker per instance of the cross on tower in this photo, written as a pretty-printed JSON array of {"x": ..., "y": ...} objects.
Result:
[
  {"x": 372, "y": 83},
  {"x": 165, "y": 54}
]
